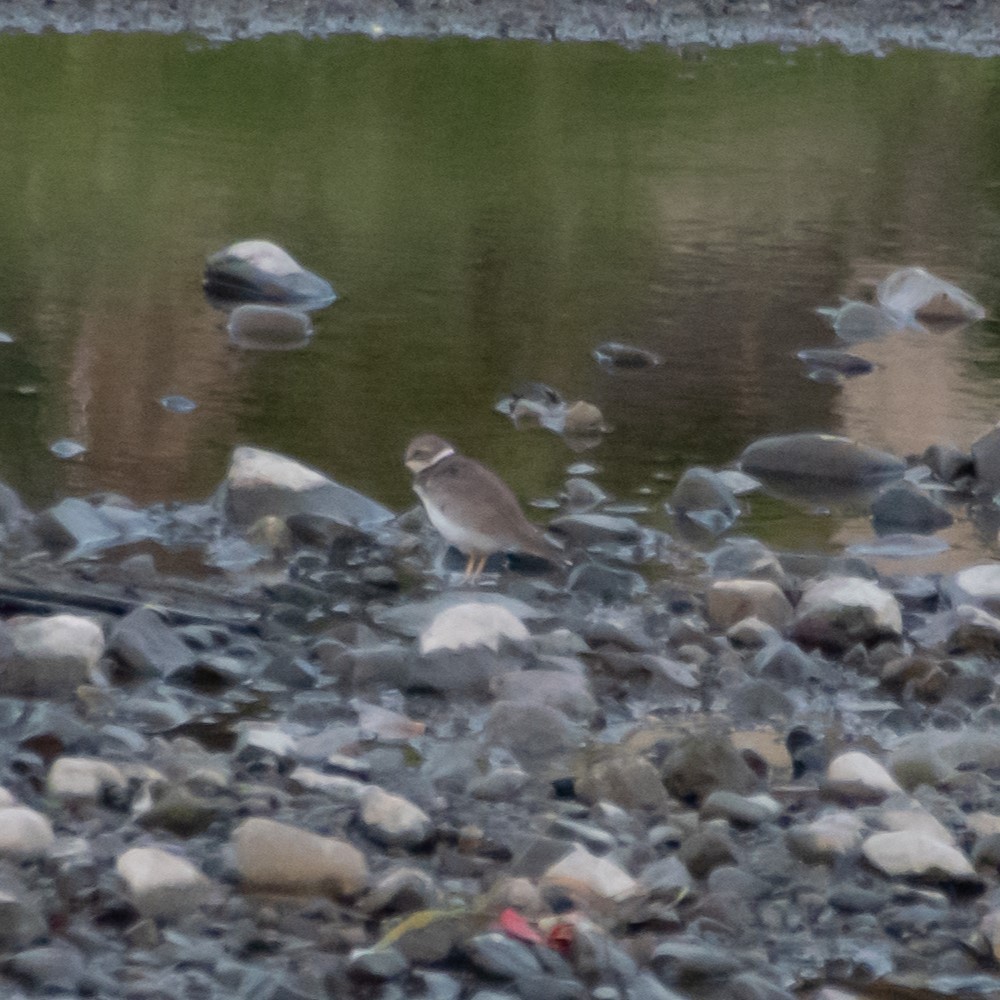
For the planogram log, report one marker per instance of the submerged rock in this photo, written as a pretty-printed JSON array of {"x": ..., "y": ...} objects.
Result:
[
  {"x": 259, "y": 483},
  {"x": 615, "y": 355},
  {"x": 903, "y": 507},
  {"x": 912, "y": 292},
  {"x": 841, "y": 362},
  {"x": 820, "y": 457},
  {"x": 703, "y": 497},
  {"x": 260, "y": 271},
  {"x": 268, "y": 328},
  {"x": 854, "y": 322}
]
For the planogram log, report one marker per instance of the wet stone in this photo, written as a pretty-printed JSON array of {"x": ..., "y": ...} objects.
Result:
[
  {"x": 740, "y": 810},
  {"x": 731, "y": 601},
  {"x": 842, "y": 610},
  {"x": 47, "y": 656},
  {"x": 903, "y": 507},
  {"x": 606, "y": 584},
  {"x": 56, "y": 968},
  {"x": 821, "y": 457},
  {"x": 498, "y": 955},
  {"x": 161, "y": 884},
  {"x": 392, "y": 820},
  {"x": 700, "y": 765},
  {"x": 377, "y": 963},
  {"x": 702, "y": 493},
  {"x": 533, "y": 733},
  {"x": 617, "y": 355},
  {"x": 147, "y": 645}
]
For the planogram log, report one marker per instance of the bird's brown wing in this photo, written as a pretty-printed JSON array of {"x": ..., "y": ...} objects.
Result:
[{"x": 469, "y": 493}]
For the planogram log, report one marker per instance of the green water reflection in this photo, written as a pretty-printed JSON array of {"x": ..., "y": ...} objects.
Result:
[{"x": 489, "y": 212}]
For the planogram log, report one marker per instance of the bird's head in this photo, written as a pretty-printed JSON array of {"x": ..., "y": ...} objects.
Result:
[{"x": 426, "y": 450}]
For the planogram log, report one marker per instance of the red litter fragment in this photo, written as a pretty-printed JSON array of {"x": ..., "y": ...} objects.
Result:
[
  {"x": 561, "y": 937},
  {"x": 514, "y": 925}
]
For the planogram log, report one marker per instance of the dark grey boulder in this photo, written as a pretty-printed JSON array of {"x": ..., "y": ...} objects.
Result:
[
  {"x": 986, "y": 459},
  {"x": 703, "y": 496},
  {"x": 144, "y": 642},
  {"x": 77, "y": 526},
  {"x": 821, "y": 457},
  {"x": 594, "y": 529},
  {"x": 260, "y": 271},
  {"x": 904, "y": 507},
  {"x": 701, "y": 764},
  {"x": 948, "y": 463},
  {"x": 261, "y": 483}
]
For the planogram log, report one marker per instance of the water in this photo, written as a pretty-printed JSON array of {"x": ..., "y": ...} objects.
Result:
[{"x": 489, "y": 213}]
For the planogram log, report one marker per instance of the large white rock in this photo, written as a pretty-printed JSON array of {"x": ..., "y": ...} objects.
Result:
[
  {"x": 843, "y": 610},
  {"x": 49, "y": 655},
  {"x": 82, "y": 778},
  {"x": 913, "y": 293},
  {"x": 272, "y": 855},
  {"x": 917, "y": 855},
  {"x": 978, "y": 585},
  {"x": 856, "y": 775},
  {"x": 582, "y": 870},
  {"x": 915, "y": 820},
  {"x": 260, "y": 483},
  {"x": 464, "y": 626},
  {"x": 730, "y": 601},
  {"x": 24, "y": 833},
  {"x": 392, "y": 820},
  {"x": 161, "y": 884}
]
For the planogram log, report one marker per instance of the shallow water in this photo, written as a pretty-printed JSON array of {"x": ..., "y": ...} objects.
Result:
[{"x": 489, "y": 212}]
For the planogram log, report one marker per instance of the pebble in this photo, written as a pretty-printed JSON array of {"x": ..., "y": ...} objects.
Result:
[
  {"x": 855, "y": 775},
  {"x": 47, "y": 656},
  {"x": 826, "y": 838},
  {"x": 732, "y": 601},
  {"x": 273, "y": 855},
  {"x": 842, "y": 610},
  {"x": 393, "y": 820},
  {"x": 24, "y": 833},
  {"x": 464, "y": 626},
  {"x": 582, "y": 870},
  {"x": 160, "y": 884},
  {"x": 918, "y": 855},
  {"x": 83, "y": 778}
]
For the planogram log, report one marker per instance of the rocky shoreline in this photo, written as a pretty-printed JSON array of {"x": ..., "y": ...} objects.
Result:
[
  {"x": 967, "y": 26},
  {"x": 330, "y": 770}
]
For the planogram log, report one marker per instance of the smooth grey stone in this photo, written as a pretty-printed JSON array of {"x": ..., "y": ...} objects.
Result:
[
  {"x": 684, "y": 962},
  {"x": 750, "y": 986},
  {"x": 377, "y": 963},
  {"x": 593, "y": 529},
  {"x": 260, "y": 483},
  {"x": 903, "y": 507},
  {"x": 842, "y": 362},
  {"x": 786, "y": 662},
  {"x": 533, "y": 733},
  {"x": 147, "y": 645},
  {"x": 948, "y": 463},
  {"x": 821, "y": 457},
  {"x": 75, "y": 525},
  {"x": 986, "y": 459},
  {"x": 739, "y": 810},
  {"x": 462, "y": 671},
  {"x": 22, "y": 920},
  {"x": 581, "y": 494},
  {"x": 498, "y": 955},
  {"x": 855, "y": 899},
  {"x": 503, "y": 784},
  {"x": 758, "y": 700},
  {"x": 608, "y": 585},
  {"x": 387, "y": 664},
  {"x": 592, "y": 837},
  {"x": 57, "y": 968},
  {"x": 260, "y": 271},
  {"x": 645, "y": 986},
  {"x": 706, "y": 849},
  {"x": 617, "y": 355},
  {"x": 702, "y": 490},
  {"x": 437, "y": 985}
]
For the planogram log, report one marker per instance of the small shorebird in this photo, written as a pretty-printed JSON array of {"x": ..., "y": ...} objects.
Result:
[{"x": 471, "y": 506}]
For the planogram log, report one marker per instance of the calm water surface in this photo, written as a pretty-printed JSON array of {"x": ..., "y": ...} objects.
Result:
[{"x": 489, "y": 212}]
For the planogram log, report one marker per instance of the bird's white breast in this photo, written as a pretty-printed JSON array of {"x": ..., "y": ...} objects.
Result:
[{"x": 462, "y": 536}]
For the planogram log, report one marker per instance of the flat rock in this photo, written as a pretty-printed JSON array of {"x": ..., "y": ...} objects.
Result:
[
  {"x": 273, "y": 855},
  {"x": 24, "y": 834},
  {"x": 917, "y": 855},
  {"x": 582, "y": 870},
  {"x": 533, "y": 733},
  {"x": 147, "y": 645},
  {"x": 904, "y": 507},
  {"x": 740, "y": 810},
  {"x": 161, "y": 884},
  {"x": 843, "y": 610},
  {"x": 393, "y": 820},
  {"x": 701, "y": 764},
  {"x": 821, "y": 457},
  {"x": 855, "y": 775},
  {"x": 83, "y": 778},
  {"x": 260, "y": 483},
  {"x": 584, "y": 530},
  {"x": 626, "y": 780},
  {"x": 730, "y": 601},
  {"x": 46, "y": 656},
  {"x": 701, "y": 492},
  {"x": 464, "y": 626},
  {"x": 76, "y": 526}
]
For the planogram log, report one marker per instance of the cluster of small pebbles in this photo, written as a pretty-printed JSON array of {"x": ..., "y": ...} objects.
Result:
[{"x": 320, "y": 767}]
